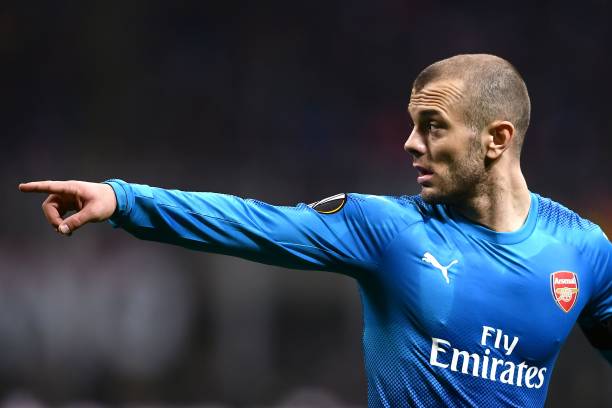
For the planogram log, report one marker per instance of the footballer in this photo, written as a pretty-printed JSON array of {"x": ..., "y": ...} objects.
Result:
[{"x": 469, "y": 289}]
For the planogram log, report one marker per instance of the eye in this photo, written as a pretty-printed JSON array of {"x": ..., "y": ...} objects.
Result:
[{"x": 431, "y": 126}]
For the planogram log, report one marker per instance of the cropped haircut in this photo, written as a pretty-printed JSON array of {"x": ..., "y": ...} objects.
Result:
[{"x": 493, "y": 90}]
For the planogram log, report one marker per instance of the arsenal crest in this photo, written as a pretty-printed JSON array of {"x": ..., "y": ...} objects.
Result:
[{"x": 564, "y": 287}]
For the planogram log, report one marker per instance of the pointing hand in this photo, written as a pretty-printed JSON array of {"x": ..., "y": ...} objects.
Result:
[{"x": 93, "y": 202}]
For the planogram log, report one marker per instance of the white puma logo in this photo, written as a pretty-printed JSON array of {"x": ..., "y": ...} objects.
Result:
[{"x": 429, "y": 258}]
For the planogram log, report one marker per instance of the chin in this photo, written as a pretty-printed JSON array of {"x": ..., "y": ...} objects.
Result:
[{"x": 433, "y": 196}]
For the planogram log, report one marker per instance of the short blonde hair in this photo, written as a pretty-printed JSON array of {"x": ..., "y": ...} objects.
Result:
[{"x": 493, "y": 90}]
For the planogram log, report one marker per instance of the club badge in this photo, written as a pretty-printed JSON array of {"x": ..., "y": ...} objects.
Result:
[{"x": 564, "y": 287}]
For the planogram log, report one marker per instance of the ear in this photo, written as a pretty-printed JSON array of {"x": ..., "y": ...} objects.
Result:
[{"x": 499, "y": 136}]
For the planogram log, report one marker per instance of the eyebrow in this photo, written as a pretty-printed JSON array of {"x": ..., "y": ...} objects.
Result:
[
  {"x": 427, "y": 112},
  {"x": 430, "y": 112}
]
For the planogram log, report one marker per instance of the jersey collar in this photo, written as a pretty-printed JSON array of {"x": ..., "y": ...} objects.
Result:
[{"x": 506, "y": 238}]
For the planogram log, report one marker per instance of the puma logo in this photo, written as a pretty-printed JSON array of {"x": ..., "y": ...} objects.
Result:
[{"x": 429, "y": 258}]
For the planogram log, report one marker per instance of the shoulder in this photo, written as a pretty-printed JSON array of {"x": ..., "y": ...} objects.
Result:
[
  {"x": 567, "y": 225},
  {"x": 403, "y": 209},
  {"x": 376, "y": 209},
  {"x": 556, "y": 215},
  {"x": 371, "y": 221}
]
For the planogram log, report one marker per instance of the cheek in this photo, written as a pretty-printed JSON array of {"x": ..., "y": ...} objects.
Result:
[
  {"x": 469, "y": 165},
  {"x": 444, "y": 154},
  {"x": 456, "y": 148},
  {"x": 454, "y": 163}
]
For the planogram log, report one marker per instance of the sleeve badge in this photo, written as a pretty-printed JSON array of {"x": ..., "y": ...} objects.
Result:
[{"x": 329, "y": 205}]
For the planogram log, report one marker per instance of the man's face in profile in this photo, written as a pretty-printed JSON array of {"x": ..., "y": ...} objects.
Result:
[{"x": 447, "y": 154}]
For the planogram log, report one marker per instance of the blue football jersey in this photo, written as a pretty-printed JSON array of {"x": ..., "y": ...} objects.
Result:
[{"x": 455, "y": 314}]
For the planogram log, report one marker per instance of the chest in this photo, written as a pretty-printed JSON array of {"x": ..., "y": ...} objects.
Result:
[{"x": 526, "y": 297}]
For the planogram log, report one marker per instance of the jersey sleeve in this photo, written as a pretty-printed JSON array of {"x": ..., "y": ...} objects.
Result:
[
  {"x": 348, "y": 240},
  {"x": 596, "y": 318}
]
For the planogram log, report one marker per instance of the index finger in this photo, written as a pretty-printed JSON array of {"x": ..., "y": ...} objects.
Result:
[{"x": 59, "y": 187}]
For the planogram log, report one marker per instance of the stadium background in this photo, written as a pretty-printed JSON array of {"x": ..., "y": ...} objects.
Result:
[{"x": 281, "y": 101}]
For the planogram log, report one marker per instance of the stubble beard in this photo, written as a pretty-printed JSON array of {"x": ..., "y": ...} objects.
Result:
[{"x": 463, "y": 180}]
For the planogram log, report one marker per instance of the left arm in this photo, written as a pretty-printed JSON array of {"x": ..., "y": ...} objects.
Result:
[{"x": 596, "y": 318}]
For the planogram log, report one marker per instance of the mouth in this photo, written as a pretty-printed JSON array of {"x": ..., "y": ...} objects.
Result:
[{"x": 424, "y": 174}]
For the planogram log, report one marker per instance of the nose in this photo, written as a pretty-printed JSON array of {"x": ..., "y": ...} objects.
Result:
[{"x": 415, "y": 144}]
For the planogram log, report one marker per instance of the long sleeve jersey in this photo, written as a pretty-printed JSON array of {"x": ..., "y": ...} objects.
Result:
[{"x": 454, "y": 314}]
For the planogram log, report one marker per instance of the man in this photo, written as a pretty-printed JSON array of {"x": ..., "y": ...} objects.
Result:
[{"x": 469, "y": 289}]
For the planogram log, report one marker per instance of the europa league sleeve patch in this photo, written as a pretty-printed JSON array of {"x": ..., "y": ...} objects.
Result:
[{"x": 329, "y": 205}]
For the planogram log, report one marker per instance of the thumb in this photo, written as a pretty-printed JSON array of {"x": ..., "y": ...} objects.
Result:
[{"x": 74, "y": 222}]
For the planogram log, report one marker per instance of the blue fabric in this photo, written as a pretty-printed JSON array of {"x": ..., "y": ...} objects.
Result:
[{"x": 454, "y": 314}]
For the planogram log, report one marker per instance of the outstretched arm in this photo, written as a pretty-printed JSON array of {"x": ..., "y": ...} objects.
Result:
[{"x": 344, "y": 241}]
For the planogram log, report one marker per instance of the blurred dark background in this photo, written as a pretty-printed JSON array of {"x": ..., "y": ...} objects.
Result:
[{"x": 282, "y": 101}]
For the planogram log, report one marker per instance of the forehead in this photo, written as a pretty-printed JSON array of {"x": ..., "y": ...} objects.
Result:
[{"x": 444, "y": 96}]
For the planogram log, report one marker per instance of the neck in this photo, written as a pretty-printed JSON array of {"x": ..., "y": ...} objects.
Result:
[{"x": 501, "y": 203}]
